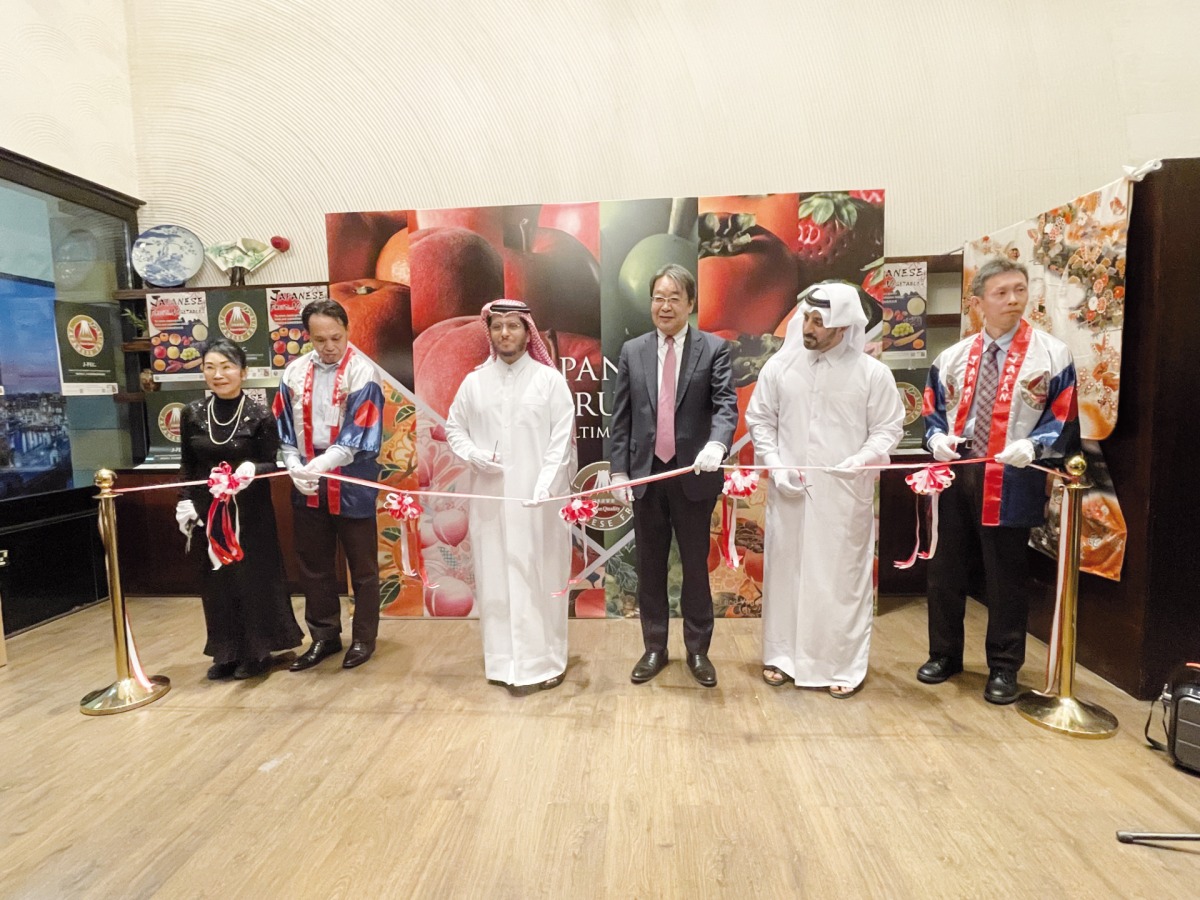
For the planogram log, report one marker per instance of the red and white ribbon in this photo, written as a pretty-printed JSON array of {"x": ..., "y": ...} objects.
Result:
[
  {"x": 224, "y": 484},
  {"x": 739, "y": 482},
  {"x": 577, "y": 512},
  {"x": 405, "y": 509},
  {"x": 927, "y": 482}
]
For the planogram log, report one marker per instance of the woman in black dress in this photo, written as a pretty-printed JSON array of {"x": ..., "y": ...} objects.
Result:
[{"x": 246, "y": 605}]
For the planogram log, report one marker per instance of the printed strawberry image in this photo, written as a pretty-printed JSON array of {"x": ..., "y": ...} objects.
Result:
[
  {"x": 876, "y": 283},
  {"x": 839, "y": 236}
]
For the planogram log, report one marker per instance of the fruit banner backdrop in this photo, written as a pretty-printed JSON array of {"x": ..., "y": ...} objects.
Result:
[
  {"x": 1076, "y": 257},
  {"x": 413, "y": 282}
]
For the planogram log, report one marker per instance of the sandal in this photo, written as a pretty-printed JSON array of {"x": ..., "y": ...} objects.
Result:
[
  {"x": 774, "y": 676},
  {"x": 841, "y": 693}
]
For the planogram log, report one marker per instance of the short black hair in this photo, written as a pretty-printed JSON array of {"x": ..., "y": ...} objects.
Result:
[
  {"x": 330, "y": 308},
  {"x": 682, "y": 278},
  {"x": 227, "y": 349}
]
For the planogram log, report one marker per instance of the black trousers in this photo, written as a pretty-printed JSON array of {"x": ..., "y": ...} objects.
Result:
[
  {"x": 965, "y": 544},
  {"x": 662, "y": 511},
  {"x": 316, "y": 536}
]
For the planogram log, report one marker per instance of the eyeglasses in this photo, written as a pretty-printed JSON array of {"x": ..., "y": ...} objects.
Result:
[{"x": 677, "y": 300}]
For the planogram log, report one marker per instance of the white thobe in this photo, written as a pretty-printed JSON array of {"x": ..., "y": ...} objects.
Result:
[
  {"x": 819, "y": 548},
  {"x": 524, "y": 413}
]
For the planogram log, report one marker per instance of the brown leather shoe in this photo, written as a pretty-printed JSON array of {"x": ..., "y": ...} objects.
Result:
[
  {"x": 314, "y": 654},
  {"x": 651, "y": 663},
  {"x": 359, "y": 653}
]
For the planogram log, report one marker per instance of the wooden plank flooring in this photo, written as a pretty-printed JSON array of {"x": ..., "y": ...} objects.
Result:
[{"x": 413, "y": 777}]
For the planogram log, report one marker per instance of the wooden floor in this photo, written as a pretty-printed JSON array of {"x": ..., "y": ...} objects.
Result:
[{"x": 413, "y": 777}]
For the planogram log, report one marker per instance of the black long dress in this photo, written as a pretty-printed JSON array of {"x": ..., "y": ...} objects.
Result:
[{"x": 246, "y": 605}]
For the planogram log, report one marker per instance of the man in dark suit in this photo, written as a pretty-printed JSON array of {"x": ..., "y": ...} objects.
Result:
[{"x": 661, "y": 423}]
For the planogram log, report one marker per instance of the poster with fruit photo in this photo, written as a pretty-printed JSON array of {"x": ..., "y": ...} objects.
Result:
[
  {"x": 905, "y": 288},
  {"x": 178, "y": 328},
  {"x": 286, "y": 336},
  {"x": 414, "y": 281}
]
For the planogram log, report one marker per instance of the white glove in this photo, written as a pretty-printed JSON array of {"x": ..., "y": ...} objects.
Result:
[
  {"x": 334, "y": 457},
  {"x": 186, "y": 517},
  {"x": 1018, "y": 454},
  {"x": 620, "y": 493},
  {"x": 850, "y": 466},
  {"x": 305, "y": 482},
  {"x": 482, "y": 462},
  {"x": 789, "y": 482},
  {"x": 710, "y": 458},
  {"x": 942, "y": 447},
  {"x": 540, "y": 496}
]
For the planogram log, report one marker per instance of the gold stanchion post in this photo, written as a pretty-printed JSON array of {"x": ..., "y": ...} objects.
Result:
[
  {"x": 132, "y": 688},
  {"x": 1063, "y": 712}
]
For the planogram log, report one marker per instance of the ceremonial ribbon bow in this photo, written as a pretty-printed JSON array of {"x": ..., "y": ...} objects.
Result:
[
  {"x": 928, "y": 482},
  {"x": 405, "y": 509},
  {"x": 577, "y": 511},
  {"x": 223, "y": 484},
  {"x": 739, "y": 482}
]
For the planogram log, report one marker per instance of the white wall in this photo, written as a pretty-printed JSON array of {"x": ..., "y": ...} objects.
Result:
[
  {"x": 64, "y": 87},
  {"x": 257, "y": 118}
]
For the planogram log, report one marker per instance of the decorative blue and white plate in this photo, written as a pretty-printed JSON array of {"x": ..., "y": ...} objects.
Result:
[{"x": 167, "y": 255}]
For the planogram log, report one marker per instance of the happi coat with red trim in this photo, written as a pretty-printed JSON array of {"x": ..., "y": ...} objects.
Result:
[
  {"x": 1035, "y": 400},
  {"x": 358, "y": 398}
]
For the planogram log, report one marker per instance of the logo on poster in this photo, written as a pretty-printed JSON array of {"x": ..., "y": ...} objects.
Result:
[
  {"x": 169, "y": 421},
  {"x": 285, "y": 308},
  {"x": 85, "y": 336},
  {"x": 164, "y": 313},
  {"x": 610, "y": 515},
  {"x": 237, "y": 321}
]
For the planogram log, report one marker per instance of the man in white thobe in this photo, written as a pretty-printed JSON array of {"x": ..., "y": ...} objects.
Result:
[
  {"x": 513, "y": 420},
  {"x": 820, "y": 401}
]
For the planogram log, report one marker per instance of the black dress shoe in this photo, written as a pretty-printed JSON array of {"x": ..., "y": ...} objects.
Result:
[
  {"x": 315, "y": 653},
  {"x": 252, "y": 667},
  {"x": 1001, "y": 687},
  {"x": 218, "y": 671},
  {"x": 938, "y": 669},
  {"x": 702, "y": 670},
  {"x": 359, "y": 653},
  {"x": 651, "y": 663}
]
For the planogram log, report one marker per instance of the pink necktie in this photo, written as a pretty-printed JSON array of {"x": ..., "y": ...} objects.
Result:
[{"x": 664, "y": 441}]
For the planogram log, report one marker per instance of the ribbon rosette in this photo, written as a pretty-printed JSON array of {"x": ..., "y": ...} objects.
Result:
[
  {"x": 738, "y": 483},
  {"x": 404, "y": 508},
  {"x": 578, "y": 511},
  {"x": 223, "y": 484},
  {"x": 927, "y": 482}
]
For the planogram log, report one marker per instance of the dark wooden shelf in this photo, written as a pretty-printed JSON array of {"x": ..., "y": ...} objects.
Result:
[
  {"x": 137, "y": 345},
  {"x": 940, "y": 264},
  {"x": 129, "y": 397},
  {"x": 141, "y": 294}
]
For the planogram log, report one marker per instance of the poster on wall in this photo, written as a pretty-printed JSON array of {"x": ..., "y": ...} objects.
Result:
[
  {"x": 89, "y": 337},
  {"x": 416, "y": 280},
  {"x": 1076, "y": 257},
  {"x": 164, "y": 410},
  {"x": 35, "y": 445},
  {"x": 905, "y": 289},
  {"x": 178, "y": 327},
  {"x": 286, "y": 337},
  {"x": 240, "y": 315}
]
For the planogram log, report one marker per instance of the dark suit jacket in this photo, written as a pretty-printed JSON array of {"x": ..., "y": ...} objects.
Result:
[{"x": 705, "y": 408}]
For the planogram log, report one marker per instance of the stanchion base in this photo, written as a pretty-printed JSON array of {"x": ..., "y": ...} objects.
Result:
[
  {"x": 124, "y": 695},
  {"x": 1068, "y": 715}
]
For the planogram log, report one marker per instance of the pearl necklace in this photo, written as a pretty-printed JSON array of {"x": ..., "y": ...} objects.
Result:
[{"x": 212, "y": 419}]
